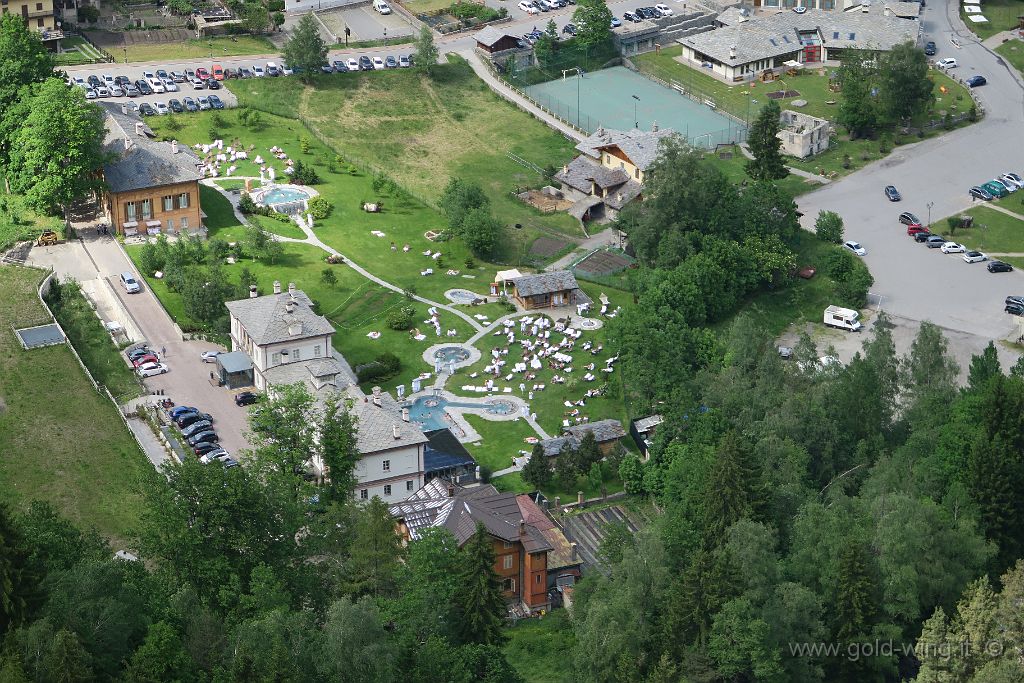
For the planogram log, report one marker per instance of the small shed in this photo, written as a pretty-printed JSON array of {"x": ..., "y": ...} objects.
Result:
[
  {"x": 548, "y": 290},
  {"x": 642, "y": 430},
  {"x": 492, "y": 40},
  {"x": 234, "y": 370},
  {"x": 607, "y": 433}
]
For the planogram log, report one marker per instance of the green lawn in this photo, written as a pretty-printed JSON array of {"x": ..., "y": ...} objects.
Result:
[
  {"x": 426, "y": 6},
  {"x": 211, "y": 48},
  {"x": 424, "y": 131},
  {"x": 1001, "y": 14},
  {"x": 744, "y": 100},
  {"x": 735, "y": 170},
  {"x": 993, "y": 233},
  {"x": 1013, "y": 52},
  {"x": 18, "y": 222},
  {"x": 540, "y": 649},
  {"x": 62, "y": 442}
]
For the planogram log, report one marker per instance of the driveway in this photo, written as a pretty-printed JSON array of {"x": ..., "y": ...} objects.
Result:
[
  {"x": 187, "y": 383},
  {"x": 911, "y": 281}
]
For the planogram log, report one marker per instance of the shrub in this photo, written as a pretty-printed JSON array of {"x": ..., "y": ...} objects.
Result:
[
  {"x": 384, "y": 366},
  {"x": 469, "y": 263},
  {"x": 304, "y": 174},
  {"x": 304, "y": 145},
  {"x": 319, "y": 207},
  {"x": 275, "y": 5},
  {"x": 829, "y": 227},
  {"x": 250, "y": 118},
  {"x": 847, "y": 161},
  {"x": 507, "y": 304},
  {"x": 400, "y": 318},
  {"x": 246, "y": 205},
  {"x": 972, "y": 113}
]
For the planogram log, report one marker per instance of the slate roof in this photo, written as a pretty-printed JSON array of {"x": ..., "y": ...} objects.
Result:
[
  {"x": 490, "y": 36},
  {"x": 582, "y": 172},
  {"x": 641, "y": 146},
  {"x": 375, "y": 426},
  {"x": 321, "y": 375},
  {"x": 444, "y": 451},
  {"x": 773, "y": 35},
  {"x": 554, "y": 445},
  {"x": 645, "y": 424},
  {"x": 560, "y": 556},
  {"x": 148, "y": 162},
  {"x": 266, "y": 319},
  {"x": 545, "y": 283},
  {"x": 905, "y": 10},
  {"x": 603, "y": 430},
  {"x": 236, "y": 361},
  {"x": 432, "y": 506}
]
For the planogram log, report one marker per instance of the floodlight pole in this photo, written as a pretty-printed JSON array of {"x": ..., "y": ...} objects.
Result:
[
  {"x": 579, "y": 77},
  {"x": 636, "y": 121},
  {"x": 930, "y": 205}
]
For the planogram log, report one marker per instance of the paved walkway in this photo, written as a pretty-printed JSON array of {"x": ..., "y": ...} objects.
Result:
[
  {"x": 604, "y": 238},
  {"x": 495, "y": 84},
  {"x": 1004, "y": 210},
  {"x": 153, "y": 447},
  {"x": 992, "y": 42}
]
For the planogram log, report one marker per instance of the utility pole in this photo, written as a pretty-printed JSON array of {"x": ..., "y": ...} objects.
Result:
[{"x": 636, "y": 121}]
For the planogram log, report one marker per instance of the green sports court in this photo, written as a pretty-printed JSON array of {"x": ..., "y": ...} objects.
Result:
[{"x": 610, "y": 98}]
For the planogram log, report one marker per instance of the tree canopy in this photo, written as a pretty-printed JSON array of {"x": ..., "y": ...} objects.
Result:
[{"x": 305, "y": 48}]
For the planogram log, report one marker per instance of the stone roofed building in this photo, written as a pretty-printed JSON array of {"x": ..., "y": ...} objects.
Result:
[
  {"x": 607, "y": 433},
  {"x": 747, "y": 45},
  {"x": 391, "y": 449},
  {"x": 491, "y": 40},
  {"x": 520, "y": 547},
  {"x": 548, "y": 290},
  {"x": 152, "y": 185},
  {"x": 609, "y": 172}
]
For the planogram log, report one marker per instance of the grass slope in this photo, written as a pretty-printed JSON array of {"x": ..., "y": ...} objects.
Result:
[
  {"x": 1001, "y": 14},
  {"x": 61, "y": 441},
  {"x": 1013, "y": 52},
  {"x": 539, "y": 649}
]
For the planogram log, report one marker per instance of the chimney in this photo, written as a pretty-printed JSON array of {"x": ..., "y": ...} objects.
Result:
[
  {"x": 618, "y": 196},
  {"x": 277, "y": 286},
  {"x": 291, "y": 289},
  {"x": 376, "y": 401},
  {"x": 174, "y": 146},
  {"x": 252, "y": 292},
  {"x": 732, "y": 52},
  {"x": 140, "y": 128},
  {"x": 124, "y": 108},
  {"x": 888, "y": 12},
  {"x": 565, "y": 169},
  {"x": 405, "y": 414},
  {"x": 396, "y": 432},
  {"x": 127, "y": 143},
  {"x": 522, "y": 528},
  {"x": 579, "y": 498},
  {"x": 572, "y": 551},
  {"x": 376, "y": 392},
  {"x": 295, "y": 329},
  {"x": 289, "y": 307},
  {"x": 451, "y": 491}
]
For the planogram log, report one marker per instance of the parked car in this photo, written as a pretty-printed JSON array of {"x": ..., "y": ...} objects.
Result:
[
  {"x": 197, "y": 83},
  {"x": 981, "y": 193},
  {"x": 215, "y": 102},
  {"x": 204, "y": 103},
  {"x": 952, "y": 248},
  {"x": 352, "y": 64},
  {"x": 378, "y": 63},
  {"x": 929, "y": 48},
  {"x": 1014, "y": 300},
  {"x": 213, "y": 84},
  {"x": 390, "y": 62},
  {"x": 907, "y": 218},
  {"x": 365, "y": 63},
  {"x": 94, "y": 81},
  {"x": 178, "y": 76},
  {"x": 177, "y": 411},
  {"x": 528, "y": 8},
  {"x": 108, "y": 80},
  {"x": 244, "y": 72},
  {"x": 137, "y": 351},
  {"x": 1006, "y": 185},
  {"x": 143, "y": 87},
  {"x": 131, "y": 91},
  {"x": 208, "y": 436},
  {"x": 189, "y": 104},
  {"x": 917, "y": 229},
  {"x": 403, "y": 62},
  {"x": 995, "y": 189},
  {"x": 975, "y": 257},
  {"x": 615, "y": 22},
  {"x": 142, "y": 360},
  {"x": 103, "y": 91},
  {"x": 999, "y": 267},
  {"x": 569, "y": 29},
  {"x": 216, "y": 454},
  {"x": 210, "y": 356},
  {"x": 1014, "y": 309},
  {"x": 629, "y": 16},
  {"x": 855, "y": 248},
  {"x": 162, "y": 74},
  {"x": 922, "y": 236},
  {"x": 339, "y": 66},
  {"x": 169, "y": 85},
  {"x": 202, "y": 73},
  {"x": 381, "y": 7},
  {"x": 161, "y": 108},
  {"x": 150, "y": 370},
  {"x": 157, "y": 85},
  {"x": 196, "y": 427},
  {"x": 947, "y": 63},
  {"x": 892, "y": 193},
  {"x": 665, "y": 10},
  {"x": 186, "y": 419},
  {"x": 1013, "y": 178},
  {"x": 116, "y": 91},
  {"x": 799, "y": 9},
  {"x": 935, "y": 241},
  {"x": 217, "y": 72},
  {"x": 205, "y": 447},
  {"x": 975, "y": 80},
  {"x": 246, "y": 398},
  {"x": 272, "y": 69},
  {"x": 326, "y": 68}
]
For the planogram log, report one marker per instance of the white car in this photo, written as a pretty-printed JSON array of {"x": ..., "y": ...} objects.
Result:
[
  {"x": 975, "y": 257},
  {"x": 381, "y": 6},
  {"x": 855, "y": 248},
  {"x": 1008, "y": 178},
  {"x": 79, "y": 81},
  {"x": 116, "y": 91},
  {"x": 150, "y": 369},
  {"x": 90, "y": 94},
  {"x": 161, "y": 108},
  {"x": 352, "y": 63},
  {"x": 286, "y": 70},
  {"x": 210, "y": 356},
  {"x": 157, "y": 85},
  {"x": 102, "y": 91},
  {"x": 197, "y": 83},
  {"x": 947, "y": 63},
  {"x": 378, "y": 63},
  {"x": 528, "y": 8},
  {"x": 169, "y": 85},
  {"x": 952, "y": 248},
  {"x": 665, "y": 10},
  {"x": 219, "y": 454},
  {"x": 108, "y": 79},
  {"x": 148, "y": 75},
  {"x": 258, "y": 71}
]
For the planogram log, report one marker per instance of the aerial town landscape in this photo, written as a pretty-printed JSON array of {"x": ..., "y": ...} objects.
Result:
[{"x": 512, "y": 341}]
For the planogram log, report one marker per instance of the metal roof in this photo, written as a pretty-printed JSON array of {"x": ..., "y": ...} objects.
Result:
[
  {"x": 443, "y": 451},
  {"x": 236, "y": 361},
  {"x": 269, "y": 319},
  {"x": 147, "y": 162},
  {"x": 645, "y": 424},
  {"x": 490, "y": 36}
]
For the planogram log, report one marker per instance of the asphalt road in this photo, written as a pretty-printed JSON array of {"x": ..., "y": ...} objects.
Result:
[{"x": 912, "y": 281}]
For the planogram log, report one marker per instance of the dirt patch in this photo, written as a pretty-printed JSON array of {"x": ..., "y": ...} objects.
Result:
[
  {"x": 547, "y": 246},
  {"x": 544, "y": 202},
  {"x": 783, "y": 94},
  {"x": 604, "y": 263}
]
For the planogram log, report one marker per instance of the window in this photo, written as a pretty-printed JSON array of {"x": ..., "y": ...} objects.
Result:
[
  {"x": 538, "y": 579},
  {"x": 507, "y": 545},
  {"x": 39, "y": 6},
  {"x": 386, "y": 465},
  {"x": 296, "y": 355},
  {"x": 147, "y": 209},
  {"x": 183, "y": 200},
  {"x": 170, "y": 225},
  {"x": 387, "y": 489},
  {"x": 184, "y": 224},
  {"x": 275, "y": 359},
  {"x": 364, "y": 494},
  {"x": 317, "y": 351},
  {"x": 39, "y": 22},
  {"x": 509, "y": 585},
  {"x": 506, "y": 562},
  {"x": 835, "y": 35},
  {"x": 169, "y": 203},
  {"x": 408, "y": 485},
  {"x": 129, "y": 211},
  {"x": 853, "y": 36}
]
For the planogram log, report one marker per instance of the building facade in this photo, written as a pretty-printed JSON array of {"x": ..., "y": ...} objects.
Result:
[
  {"x": 803, "y": 135},
  {"x": 392, "y": 449},
  {"x": 152, "y": 186},
  {"x": 548, "y": 290},
  {"x": 39, "y": 16}
]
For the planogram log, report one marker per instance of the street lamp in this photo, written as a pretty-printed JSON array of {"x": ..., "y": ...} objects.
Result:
[
  {"x": 930, "y": 205},
  {"x": 749, "y": 102},
  {"x": 636, "y": 121}
]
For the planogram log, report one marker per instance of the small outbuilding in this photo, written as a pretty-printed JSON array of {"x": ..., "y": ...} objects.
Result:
[
  {"x": 642, "y": 430},
  {"x": 607, "y": 433},
  {"x": 548, "y": 290},
  {"x": 234, "y": 369},
  {"x": 492, "y": 40}
]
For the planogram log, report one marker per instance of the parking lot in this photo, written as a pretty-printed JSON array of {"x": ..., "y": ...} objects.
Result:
[
  {"x": 365, "y": 23},
  {"x": 133, "y": 74}
]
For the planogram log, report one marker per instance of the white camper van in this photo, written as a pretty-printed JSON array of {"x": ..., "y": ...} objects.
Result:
[{"x": 842, "y": 318}]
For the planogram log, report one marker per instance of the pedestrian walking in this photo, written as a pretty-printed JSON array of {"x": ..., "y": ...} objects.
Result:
[{"x": 163, "y": 351}]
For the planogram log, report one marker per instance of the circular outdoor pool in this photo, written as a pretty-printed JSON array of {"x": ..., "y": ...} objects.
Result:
[
  {"x": 461, "y": 296},
  {"x": 288, "y": 199},
  {"x": 450, "y": 354}
]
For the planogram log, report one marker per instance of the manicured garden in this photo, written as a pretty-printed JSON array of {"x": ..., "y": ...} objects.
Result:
[
  {"x": 62, "y": 441},
  {"x": 1013, "y": 52},
  {"x": 734, "y": 169},
  {"x": 19, "y": 223},
  {"x": 1002, "y": 16}
]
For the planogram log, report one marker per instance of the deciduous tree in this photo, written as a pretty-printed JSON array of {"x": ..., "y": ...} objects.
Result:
[
  {"x": 904, "y": 89},
  {"x": 828, "y": 226},
  {"x": 593, "y": 22},
  {"x": 426, "y": 51}
]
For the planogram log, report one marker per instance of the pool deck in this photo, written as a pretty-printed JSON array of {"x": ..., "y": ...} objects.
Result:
[{"x": 474, "y": 354}]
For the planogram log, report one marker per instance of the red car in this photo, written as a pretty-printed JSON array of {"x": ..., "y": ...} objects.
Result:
[
  {"x": 202, "y": 74},
  {"x": 218, "y": 72},
  {"x": 148, "y": 358},
  {"x": 915, "y": 229}
]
